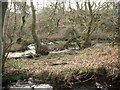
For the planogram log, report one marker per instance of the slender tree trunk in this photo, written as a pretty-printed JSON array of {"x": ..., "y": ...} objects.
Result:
[
  {"x": 63, "y": 3},
  {"x": 15, "y": 17},
  {"x": 54, "y": 11},
  {"x": 89, "y": 26},
  {"x": 0, "y": 46},
  {"x": 85, "y": 5},
  {"x": 6, "y": 47},
  {"x": 70, "y": 5},
  {"x": 58, "y": 20},
  {"x": 56, "y": 5},
  {"x": 76, "y": 39},
  {"x": 77, "y": 5},
  {"x": 3, "y": 7},
  {"x": 118, "y": 5},
  {"x": 38, "y": 45},
  {"x": 23, "y": 23}
]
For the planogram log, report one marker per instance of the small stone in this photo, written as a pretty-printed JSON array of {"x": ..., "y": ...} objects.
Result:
[
  {"x": 18, "y": 83},
  {"x": 37, "y": 81},
  {"x": 30, "y": 83},
  {"x": 30, "y": 79}
]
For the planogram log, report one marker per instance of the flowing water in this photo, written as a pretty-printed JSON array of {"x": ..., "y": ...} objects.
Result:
[
  {"x": 32, "y": 50},
  {"x": 101, "y": 44},
  {"x": 33, "y": 87}
]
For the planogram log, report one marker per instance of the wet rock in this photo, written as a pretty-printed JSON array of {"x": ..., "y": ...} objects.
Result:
[
  {"x": 37, "y": 81},
  {"x": 103, "y": 86},
  {"x": 31, "y": 46},
  {"x": 30, "y": 79},
  {"x": 18, "y": 83},
  {"x": 50, "y": 43}
]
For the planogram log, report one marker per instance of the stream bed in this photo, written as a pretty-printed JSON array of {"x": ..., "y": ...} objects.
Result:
[{"x": 32, "y": 50}]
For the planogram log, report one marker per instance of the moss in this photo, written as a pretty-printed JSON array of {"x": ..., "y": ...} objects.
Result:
[
  {"x": 31, "y": 55},
  {"x": 13, "y": 77}
]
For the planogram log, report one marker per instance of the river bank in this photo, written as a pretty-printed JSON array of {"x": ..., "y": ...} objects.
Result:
[{"x": 95, "y": 64}]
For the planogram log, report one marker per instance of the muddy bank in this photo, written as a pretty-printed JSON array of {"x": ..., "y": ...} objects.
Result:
[{"x": 91, "y": 82}]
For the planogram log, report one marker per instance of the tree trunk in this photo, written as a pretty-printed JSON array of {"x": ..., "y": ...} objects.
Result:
[
  {"x": 70, "y": 6},
  {"x": 39, "y": 48},
  {"x": 56, "y": 5},
  {"x": 76, "y": 39},
  {"x": 85, "y": 5},
  {"x": 87, "y": 42},
  {"x": 63, "y": 3},
  {"x": 77, "y": 5},
  {"x": 23, "y": 23},
  {"x": 0, "y": 45},
  {"x": 6, "y": 46},
  {"x": 58, "y": 20},
  {"x": 3, "y": 7},
  {"x": 34, "y": 26},
  {"x": 15, "y": 17},
  {"x": 54, "y": 11},
  {"x": 118, "y": 23}
]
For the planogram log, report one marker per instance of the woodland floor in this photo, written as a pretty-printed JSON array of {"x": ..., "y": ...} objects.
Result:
[{"x": 67, "y": 69}]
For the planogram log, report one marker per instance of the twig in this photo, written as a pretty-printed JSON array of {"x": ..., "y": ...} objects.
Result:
[{"x": 85, "y": 80}]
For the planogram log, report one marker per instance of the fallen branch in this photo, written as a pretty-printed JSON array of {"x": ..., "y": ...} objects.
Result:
[{"x": 85, "y": 80}]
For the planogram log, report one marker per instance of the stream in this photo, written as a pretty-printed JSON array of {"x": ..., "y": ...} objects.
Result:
[
  {"x": 83, "y": 86},
  {"x": 32, "y": 50}
]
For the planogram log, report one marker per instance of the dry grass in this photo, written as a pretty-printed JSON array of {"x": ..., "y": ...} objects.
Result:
[{"x": 88, "y": 60}]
